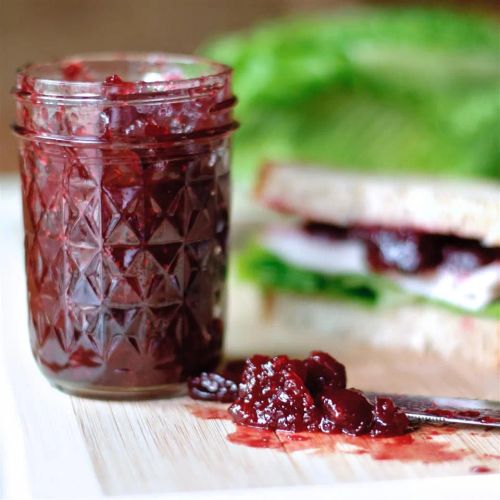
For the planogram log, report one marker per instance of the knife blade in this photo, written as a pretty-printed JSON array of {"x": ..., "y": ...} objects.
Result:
[{"x": 444, "y": 410}]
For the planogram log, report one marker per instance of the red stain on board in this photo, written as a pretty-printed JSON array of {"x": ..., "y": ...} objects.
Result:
[
  {"x": 430, "y": 432},
  {"x": 480, "y": 469},
  {"x": 255, "y": 438},
  {"x": 467, "y": 323},
  {"x": 208, "y": 412},
  {"x": 422, "y": 446},
  {"x": 489, "y": 420},
  {"x": 406, "y": 448},
  {"x": 438, "y": 431},
  {"x": 410, "y": 448},
  {"x": 473, "y": 415}
]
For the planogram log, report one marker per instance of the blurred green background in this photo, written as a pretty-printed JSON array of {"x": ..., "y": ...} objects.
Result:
[
  {"x": 349, "y": 83},
  {"x": 393, "y": 89}
]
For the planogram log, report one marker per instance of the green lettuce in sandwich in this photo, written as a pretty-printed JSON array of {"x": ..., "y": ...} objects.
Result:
[
  {"x": 395, "y": 239},
  {"x": 391, "y": 260}
]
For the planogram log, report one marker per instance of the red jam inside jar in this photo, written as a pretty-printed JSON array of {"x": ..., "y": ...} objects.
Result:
[{"x": 125, "y": 176}]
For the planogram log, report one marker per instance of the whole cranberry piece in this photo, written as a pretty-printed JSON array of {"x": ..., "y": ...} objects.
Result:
[
  {"x": 389, "y": 419},
  {"x": 234, "y": 369},
  {"x": 117, "y": 86},
  {"x": 346, "y": 410},
  {"x": 404, "y": 250},
  {"x": 72, "y": 71},
  {"x": 273, "y": 396},
  {"x": 212, "y": 387},
  {"x": 253, "y": 368},
  {"x": 297, "y": 366},
  {"x": 324, "y": 371},
  {"x": 113, "y": 79}
]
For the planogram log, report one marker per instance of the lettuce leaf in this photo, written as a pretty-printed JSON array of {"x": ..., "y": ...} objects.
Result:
[
  {"x": 382, "y": 90},
  {"x": 370, "y": 290}
]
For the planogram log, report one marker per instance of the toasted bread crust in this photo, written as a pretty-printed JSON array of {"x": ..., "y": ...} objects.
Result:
[
  {"x": 417, "y": 327},
  {"x": 465, "y": 208}
]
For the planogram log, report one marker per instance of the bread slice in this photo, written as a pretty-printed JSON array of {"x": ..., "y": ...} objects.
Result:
[
  {"x": 465, "y": 208},
  {"x": 417, "y": 327}
]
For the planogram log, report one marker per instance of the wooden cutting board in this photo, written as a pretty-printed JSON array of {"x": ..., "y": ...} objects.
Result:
[
  {"x": 157, "y": 446},
  {"x": 65, "y": 447}
]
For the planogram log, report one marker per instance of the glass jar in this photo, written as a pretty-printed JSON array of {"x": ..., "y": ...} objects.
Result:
[{"x": 125, "y": 177}]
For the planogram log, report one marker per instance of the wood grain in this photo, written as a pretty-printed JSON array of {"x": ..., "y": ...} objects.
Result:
[{"x": 64, "y": 447}]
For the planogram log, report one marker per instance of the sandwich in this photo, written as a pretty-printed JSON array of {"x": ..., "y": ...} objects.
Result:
[
  {"x": 401, "y": 261},
  {"x": 400, "y": 248}
]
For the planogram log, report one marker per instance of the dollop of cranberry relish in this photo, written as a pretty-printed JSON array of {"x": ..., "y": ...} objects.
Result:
[{"x": 279, "y": 393}]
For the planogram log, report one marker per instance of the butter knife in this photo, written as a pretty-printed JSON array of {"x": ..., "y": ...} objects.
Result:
[{"x": 442, "y": 410}]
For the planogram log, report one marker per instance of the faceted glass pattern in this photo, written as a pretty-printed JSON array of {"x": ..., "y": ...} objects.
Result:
[{"x": 126, "y": 261}]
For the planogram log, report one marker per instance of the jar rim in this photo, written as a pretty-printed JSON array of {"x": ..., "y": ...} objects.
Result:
[{"x": 86, "y": 76}]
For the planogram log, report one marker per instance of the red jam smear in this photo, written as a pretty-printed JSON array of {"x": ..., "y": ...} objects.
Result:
[
  {"x": 126, "y": 223},
  {"x": 283, "y": 394},
  {"x": 423, "y": 446},
  {"x": 255, "y": 438},
  {"x": 292, "y": 405},
  {"x": 489, "y": 419},
  {"x": 75, "y": 72},
  {"x": 207, "y": 412},
  {"x": 409, "y": 250},
  {"x": 473, "y": 415},
  {"x": 407, "y": 448},
  {"x": 480, "y": 469}
]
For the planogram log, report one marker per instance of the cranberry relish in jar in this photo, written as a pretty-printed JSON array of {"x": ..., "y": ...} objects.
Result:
[{"x": 125, "y": 176}]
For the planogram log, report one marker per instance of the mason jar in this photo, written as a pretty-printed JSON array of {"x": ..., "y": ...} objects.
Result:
[{"x": 125, "y": 177}]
